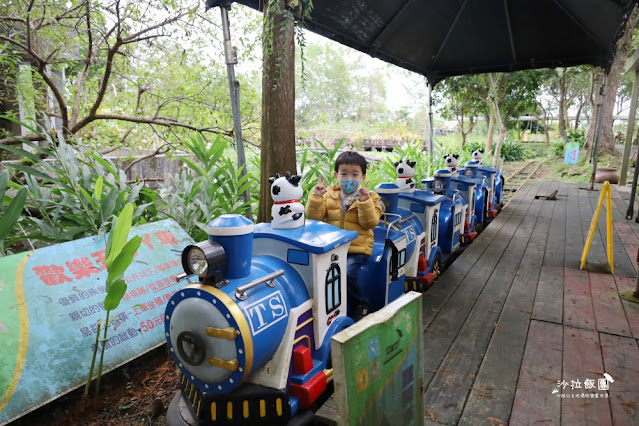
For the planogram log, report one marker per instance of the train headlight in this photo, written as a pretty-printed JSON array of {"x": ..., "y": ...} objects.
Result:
[
  {"x": 197, "y": 262},
  {"x": 438, "y": 185},
  {"x": 468, "y": 172},
  {"x": 206, "y": 260}
]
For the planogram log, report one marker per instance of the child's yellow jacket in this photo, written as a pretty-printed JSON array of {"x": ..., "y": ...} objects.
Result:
[{"x": 361, "y": 216}]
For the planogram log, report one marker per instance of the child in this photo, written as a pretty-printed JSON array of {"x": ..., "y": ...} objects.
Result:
[{"x": 348, "y": 207}]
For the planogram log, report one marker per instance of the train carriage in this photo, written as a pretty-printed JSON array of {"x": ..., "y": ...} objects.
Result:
[
  {"x": 250, "y": 331},
  {"x": 493, "y": 185}
]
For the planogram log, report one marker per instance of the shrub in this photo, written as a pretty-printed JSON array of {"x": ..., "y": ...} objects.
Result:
[
  {"x": 514, "y": 151},
  {"x": 578, "y": 136},
  {"x": 72, "y": 192},
  {"x": 556, "y": 149},
  {"x": 472, "y": 146},
  {"x": 211, "y": 186}
]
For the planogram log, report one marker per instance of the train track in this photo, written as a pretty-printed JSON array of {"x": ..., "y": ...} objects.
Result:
[{"x": 515, "y": 181}]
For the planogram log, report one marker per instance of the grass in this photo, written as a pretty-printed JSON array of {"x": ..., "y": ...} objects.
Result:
[{"x": 580, "y": 172}]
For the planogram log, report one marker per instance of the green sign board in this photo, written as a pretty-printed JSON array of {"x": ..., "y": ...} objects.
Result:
[
  {"x": 51, "y": 300},
  {"x": 378, "y": 367}
]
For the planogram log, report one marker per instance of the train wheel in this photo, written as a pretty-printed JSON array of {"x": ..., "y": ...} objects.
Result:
[{"x": 437, "y": 265}]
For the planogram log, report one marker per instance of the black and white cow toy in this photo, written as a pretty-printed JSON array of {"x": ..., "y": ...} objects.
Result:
[
  {"x": 405, "y": 171},
  {"x": 287, "y": 211},
  {"x": 478, "y": 156},
  {"x": 451, "y": 161}
]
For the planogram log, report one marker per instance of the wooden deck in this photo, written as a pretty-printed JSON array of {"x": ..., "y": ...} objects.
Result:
[{"x": 514, "y": 316}]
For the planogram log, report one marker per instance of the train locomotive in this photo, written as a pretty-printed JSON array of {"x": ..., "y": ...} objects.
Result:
[{"x": 250, "y": 331}]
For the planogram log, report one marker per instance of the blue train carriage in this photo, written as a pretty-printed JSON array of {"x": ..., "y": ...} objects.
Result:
[
  {"x": 495, "y": 184},
  {"x": 251, "y": 331},
  {"x": 498, "y": 181},
  {"x": 472, "y": 194},
  {"x": 415, "y": 213},
  {"x": 382, "y": 276}
]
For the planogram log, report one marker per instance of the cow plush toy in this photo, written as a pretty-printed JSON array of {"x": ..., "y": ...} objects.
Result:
[
  {"x": 451, "y": 161},
  {"x": 478, "y": 156},
  {"x": 405, "y": 171},
  {"x": 287, "y": 211}
]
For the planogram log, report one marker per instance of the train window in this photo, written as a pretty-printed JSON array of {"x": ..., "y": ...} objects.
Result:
[
  {"x": 402, "y": 258},
  {"x": 333, "y": 288},
  {"x": 433, "y": 227}
]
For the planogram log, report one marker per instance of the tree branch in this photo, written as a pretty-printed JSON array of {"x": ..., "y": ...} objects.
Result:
[
  {"x": 167, "y": 21},
  {"x": 17, "y": 140},
  {"x": 161, "y": 122},
  {"x": 42, "y": 63},
  {"x": 162, "y": 149}
]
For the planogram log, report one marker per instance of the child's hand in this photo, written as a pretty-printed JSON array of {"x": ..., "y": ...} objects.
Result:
[
  {"x": 320, "y": 188},
  {"x": 364, "y": 192}
]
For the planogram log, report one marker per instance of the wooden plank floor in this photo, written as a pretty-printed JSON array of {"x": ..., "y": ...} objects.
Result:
[
  {"x": 520, "y": 320},
  {"x": 516, "y": 333}
]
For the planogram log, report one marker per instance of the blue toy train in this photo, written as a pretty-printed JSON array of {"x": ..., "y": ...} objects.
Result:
[{"x": 251, "y": 330}]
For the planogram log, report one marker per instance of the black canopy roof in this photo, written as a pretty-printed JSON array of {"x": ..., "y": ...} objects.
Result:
[{"x": 440, "y": 38}]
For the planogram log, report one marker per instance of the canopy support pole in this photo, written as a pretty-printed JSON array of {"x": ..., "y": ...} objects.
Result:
[
  {"x": 230, "y": 55},
  {"x": 599, "y": 128},
  {"x": 630, "y": 130},
  {"x": 431, "y": 140}
]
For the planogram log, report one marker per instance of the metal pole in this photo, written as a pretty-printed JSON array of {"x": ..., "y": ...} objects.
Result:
[
  {"x": 230, "y": 55},
  {"x": 631, "y": 203},
  {"x": 630, "y": 130},
  {"x": 595, "y": 153},
  {"x": 431, "y": 141}
]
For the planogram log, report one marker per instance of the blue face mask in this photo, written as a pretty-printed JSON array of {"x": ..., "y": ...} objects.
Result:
[{"x": 349, "y": 185}]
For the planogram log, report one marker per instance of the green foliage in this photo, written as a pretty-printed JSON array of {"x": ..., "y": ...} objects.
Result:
[
  {"x": 211, "y": 186},
  {"x": 413, "y": 151},
  {"x": 336, "y": 90},
  {"x": 465, "y": 100},
  {"x": 515, "y": 151},
  {"x": 517, "y": 93},
  {"x": 313, "y": 163},
  {"x": 128, "y": 60},
  {"x": 297, "y": 15},
  {"x": 472, "y": 146},
  {"x": 556, "y": 149},
  {"x": 578, "y": 136},
  {"x": 119, "y": 255},
  {"x": 72, "y": 192},
  {"x": 10, "y": 215}
]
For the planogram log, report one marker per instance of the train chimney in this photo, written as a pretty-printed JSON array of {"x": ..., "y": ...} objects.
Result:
[{"x": 234, "y": 232}]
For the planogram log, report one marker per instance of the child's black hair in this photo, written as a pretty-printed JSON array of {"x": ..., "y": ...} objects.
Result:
[{"x": 351, "y": 157}]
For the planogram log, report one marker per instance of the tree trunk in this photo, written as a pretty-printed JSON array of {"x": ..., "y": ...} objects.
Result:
[
  {"x": 278, "y": 104},
  {"x": 491, "y": 131},
  {"x": 578, "y": 115},
  {"x": 546, "y": 126},
  {"x": 607, "y": 142},
  {"x": 562, "y": 106},
  {"x": 495, "y": 82},
  {"x": 502, "y": 134},
  {"x": 460, "y": 122}
]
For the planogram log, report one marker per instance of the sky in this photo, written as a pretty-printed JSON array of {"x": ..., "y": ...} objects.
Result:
[{"x": 398, "y": 83}]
